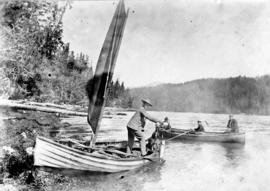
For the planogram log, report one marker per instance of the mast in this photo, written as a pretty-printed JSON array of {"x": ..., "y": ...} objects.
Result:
[{"x": 97, "y": 86}]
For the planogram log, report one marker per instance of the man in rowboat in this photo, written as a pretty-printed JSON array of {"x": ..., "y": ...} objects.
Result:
[
  {"x": 232, "y": 124},
  {"x": 135, "y": 126},
  {"x": 200, "y": 127},
  {"x": 166, "y": 124}
]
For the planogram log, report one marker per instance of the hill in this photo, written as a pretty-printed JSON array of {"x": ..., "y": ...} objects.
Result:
[{"x": 230, "y": 95}]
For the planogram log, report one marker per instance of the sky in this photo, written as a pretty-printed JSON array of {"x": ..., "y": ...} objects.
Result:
[{"x": 174, "y": 41}]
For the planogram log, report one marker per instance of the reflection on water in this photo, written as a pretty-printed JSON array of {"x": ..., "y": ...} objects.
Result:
[
  {"x": 234, "y": 153},
  {"x": 191, "y": 165},
  {"x": 129, "y": 181}
]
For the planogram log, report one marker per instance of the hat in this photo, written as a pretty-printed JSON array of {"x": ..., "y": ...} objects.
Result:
[{"x": 147, "y": 101}]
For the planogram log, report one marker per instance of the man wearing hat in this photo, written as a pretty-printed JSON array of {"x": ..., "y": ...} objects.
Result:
[{"x": 136, "y": 124}]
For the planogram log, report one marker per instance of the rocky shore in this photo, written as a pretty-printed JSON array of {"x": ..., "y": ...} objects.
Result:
[
  {"x": 19, "y": 130},
  {"x": 21, "y": 122}
]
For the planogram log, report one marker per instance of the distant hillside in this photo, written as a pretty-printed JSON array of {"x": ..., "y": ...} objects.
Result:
[{"x": 236, "y": 95}]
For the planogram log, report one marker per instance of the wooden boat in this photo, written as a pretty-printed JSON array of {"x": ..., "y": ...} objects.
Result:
[
  {"x": 49, "y": 153},
  {"x": 98, "y": 157},
  {"x": 222, "y": 137}
]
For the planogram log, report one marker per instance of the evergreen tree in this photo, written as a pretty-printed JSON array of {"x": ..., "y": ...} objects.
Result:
[{"x": 33, "y": 33}]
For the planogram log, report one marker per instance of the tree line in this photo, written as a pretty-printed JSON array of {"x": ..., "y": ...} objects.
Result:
[
  {"x": 37, "y": 64},
  {"x": 231, "y": 95},
  {"x": 118, "y": 95}
]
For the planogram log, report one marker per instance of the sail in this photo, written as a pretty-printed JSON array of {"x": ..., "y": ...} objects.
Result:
[{"x": 97, "y": 86}]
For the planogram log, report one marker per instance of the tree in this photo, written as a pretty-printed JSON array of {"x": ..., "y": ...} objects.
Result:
[
  {"x": 37, "y": 61},
  {"x": 118, "y": 95},
  {"x": 33, "y": 33}
]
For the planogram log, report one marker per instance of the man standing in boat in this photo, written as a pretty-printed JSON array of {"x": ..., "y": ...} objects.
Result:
[
  {"x": 135, "y": 126},
  {"x": 232, "y": 124}
]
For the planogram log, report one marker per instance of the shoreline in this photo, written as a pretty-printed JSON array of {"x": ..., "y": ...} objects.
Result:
[{"x": 107, "y": 110}]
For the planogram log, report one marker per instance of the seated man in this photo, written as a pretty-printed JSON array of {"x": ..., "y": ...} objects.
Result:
[
  {"x": 200, "y": 127},
  {"x": 166, "y": 124},
  {"x": 232, "y": 125}
]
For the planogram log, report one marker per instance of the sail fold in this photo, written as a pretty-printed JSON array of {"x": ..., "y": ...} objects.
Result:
[{"x": 97, "y": 86}]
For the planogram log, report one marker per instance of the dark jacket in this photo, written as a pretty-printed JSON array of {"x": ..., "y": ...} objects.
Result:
[
  {"x": 199, "y": 128},
  {"x": 233, "y": 125}
]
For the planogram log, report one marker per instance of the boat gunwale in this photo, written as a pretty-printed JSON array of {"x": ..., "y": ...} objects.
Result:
[
  {"x": 206, "y": 133},
  {"x": 112, "y": 167}
]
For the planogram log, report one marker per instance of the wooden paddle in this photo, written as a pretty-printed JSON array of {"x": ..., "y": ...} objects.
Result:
[{"x": 179, "y": 135}]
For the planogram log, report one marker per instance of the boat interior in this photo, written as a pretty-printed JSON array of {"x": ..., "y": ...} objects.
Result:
[{"x": 112, "y": 149}]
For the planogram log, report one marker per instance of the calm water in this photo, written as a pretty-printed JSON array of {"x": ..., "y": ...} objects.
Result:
[{"x": 190, "y": 166}]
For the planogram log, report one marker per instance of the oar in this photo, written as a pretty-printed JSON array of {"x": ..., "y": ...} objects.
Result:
[{"x": 179, "y": 135}]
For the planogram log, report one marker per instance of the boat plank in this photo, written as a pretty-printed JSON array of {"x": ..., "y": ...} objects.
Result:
[{"x": 48, "y": 153}]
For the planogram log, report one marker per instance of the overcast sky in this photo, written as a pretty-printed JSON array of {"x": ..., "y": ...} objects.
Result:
[{"x": 174, "y": 41}]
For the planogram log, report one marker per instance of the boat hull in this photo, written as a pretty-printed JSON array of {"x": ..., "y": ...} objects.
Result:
[
  {"x": 51, "y": 154},
  {"x": 222, "y": 137}
]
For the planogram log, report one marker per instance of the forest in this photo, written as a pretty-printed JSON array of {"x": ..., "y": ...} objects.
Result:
[
  {"x": 37, "y": 65},
  {"x": 230, "y": 95}
]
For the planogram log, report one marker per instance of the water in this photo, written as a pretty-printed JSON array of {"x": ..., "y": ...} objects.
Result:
[{"x": 191, "y": 165}]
